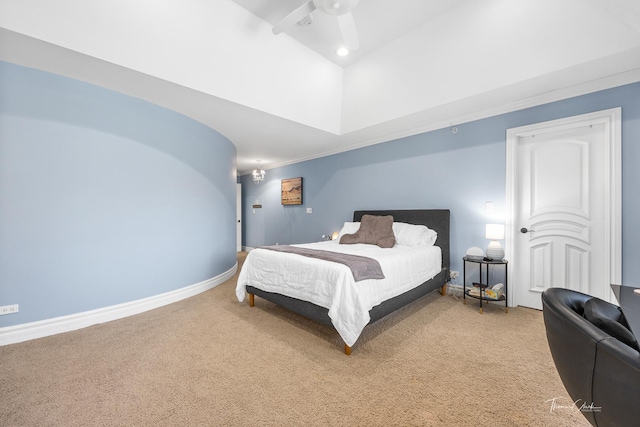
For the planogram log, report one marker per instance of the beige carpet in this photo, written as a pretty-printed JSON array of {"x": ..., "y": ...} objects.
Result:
[{"x": 211, "y": 361}]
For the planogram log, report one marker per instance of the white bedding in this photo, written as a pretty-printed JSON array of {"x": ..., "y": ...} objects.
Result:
[{"x": 331, "y": 285}]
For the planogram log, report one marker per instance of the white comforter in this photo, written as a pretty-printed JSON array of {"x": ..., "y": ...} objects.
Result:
[{"x": 331, "y": 285}]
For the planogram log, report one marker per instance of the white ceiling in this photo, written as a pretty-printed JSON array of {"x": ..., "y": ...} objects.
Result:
[
  {"x": 422, "y": 64},
  {"x": 378, "y": 22}
]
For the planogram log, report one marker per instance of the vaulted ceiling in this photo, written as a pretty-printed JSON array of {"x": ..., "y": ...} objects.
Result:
[{"x": 421, "y": 65}]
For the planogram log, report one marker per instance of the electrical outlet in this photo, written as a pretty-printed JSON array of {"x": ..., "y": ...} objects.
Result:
[
  {"x": 454, "y": 274},
  {"x": 9, "y": 309},
  {"x": 309, "y": 210}
]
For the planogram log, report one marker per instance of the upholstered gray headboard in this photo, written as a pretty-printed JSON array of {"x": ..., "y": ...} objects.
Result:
[{"x": 435, "y": 219}]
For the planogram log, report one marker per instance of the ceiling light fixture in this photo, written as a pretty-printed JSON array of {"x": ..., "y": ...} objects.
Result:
[
  {"x": 258, "y": 174},
  {"x": 342, "y": 51}
]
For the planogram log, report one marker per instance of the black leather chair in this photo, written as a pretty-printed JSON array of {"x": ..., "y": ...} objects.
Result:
[{"x": 596, "y": 367}]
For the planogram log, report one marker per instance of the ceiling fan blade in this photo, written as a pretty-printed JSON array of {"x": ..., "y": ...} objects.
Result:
[
  {"x": 295, "y": 16},
  {"x": 349, "y": 31}
]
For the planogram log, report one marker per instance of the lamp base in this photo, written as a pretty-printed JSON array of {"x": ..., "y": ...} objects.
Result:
[{"x": 495, "y": 251}]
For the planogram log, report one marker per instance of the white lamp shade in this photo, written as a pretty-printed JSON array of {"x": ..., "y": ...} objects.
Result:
[{"x": 495, "y": 231}]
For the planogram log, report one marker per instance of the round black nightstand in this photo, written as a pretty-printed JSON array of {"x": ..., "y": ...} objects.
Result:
[{"x": 483, "y": 286}]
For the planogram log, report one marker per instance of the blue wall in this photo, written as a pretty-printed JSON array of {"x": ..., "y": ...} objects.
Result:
[
  {"x": 104, "y": 198},
  {"x": 436, "y": 169}
]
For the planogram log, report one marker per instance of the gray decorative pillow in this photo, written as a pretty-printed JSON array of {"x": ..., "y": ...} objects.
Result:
[{"x": 374, "y": 230}]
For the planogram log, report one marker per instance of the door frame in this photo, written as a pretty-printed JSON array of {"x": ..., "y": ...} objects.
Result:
[
  {"x": 238, "y": 217},
  {"x": 611, "y": 118}
]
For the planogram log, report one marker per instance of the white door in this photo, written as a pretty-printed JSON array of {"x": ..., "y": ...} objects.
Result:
[
  {"x": 563, "y": 206},
  {"x": 238, "y": 217}
]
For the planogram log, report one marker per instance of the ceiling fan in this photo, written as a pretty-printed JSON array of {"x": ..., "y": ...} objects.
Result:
[{"x": 341, "y": 9}]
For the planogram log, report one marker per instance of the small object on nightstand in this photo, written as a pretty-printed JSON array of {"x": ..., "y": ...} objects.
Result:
[
  {"x": 474, "y": 292},
  {"x": 475, "y": 253},
  {"x": 495, "y": 293}
]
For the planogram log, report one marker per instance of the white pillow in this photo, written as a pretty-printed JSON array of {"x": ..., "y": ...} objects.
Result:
[
  {"x": 348, "y": 228},
  {"x": 413, "y": 235}
]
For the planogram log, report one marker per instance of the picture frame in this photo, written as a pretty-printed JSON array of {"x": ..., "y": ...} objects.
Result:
[{"x": 291, "y": 191}]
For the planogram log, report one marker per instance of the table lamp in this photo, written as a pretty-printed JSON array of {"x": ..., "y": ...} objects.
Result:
[{"x": 495, "y": 232}]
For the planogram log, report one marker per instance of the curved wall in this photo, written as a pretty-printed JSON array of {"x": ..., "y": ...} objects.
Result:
[{"x": 105, "y": 198}]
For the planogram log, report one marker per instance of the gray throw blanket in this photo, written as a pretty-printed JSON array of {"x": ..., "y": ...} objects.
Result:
[{"x": 361, "y": 267}]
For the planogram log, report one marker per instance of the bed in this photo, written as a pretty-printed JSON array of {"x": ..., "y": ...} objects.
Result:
[{"x": 335, "y": 293}]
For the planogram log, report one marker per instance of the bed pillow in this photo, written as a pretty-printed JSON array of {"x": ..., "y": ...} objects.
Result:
[
  {"x": 374, "y": 230},
  {"x": 414, "y": 235},
  {"x": 348, "y": 228}
]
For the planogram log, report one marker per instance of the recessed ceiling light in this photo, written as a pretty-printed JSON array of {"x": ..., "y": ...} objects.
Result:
[{"x": 342, "y": 51}]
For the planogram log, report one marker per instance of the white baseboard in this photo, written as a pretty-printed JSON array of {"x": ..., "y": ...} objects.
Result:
[
  {"x": 454, "y": 288},
  {"x": 72, "y": 322}
]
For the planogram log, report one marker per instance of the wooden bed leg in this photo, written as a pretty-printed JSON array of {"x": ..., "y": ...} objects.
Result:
[
  {"x": 443, "y": 291},
  {"x": 251, "y": 300},
  {"x": 347, "y": 350}
]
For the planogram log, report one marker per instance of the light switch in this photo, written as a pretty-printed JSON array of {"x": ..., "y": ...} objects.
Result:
[{"x": 489, "y": 206}]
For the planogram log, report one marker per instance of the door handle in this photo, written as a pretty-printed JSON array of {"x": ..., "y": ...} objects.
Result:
[{"x": 524, "y": 230}]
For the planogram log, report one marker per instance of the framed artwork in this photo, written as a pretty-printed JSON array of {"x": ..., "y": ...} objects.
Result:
[{"x": 292, "y": 191}]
